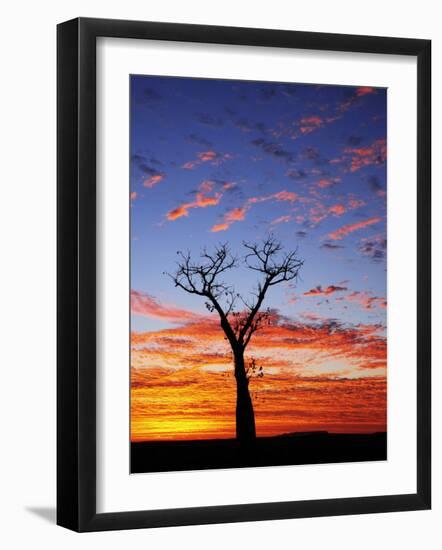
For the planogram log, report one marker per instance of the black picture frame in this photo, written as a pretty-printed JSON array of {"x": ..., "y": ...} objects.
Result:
[{"x": 76, "y": 274}]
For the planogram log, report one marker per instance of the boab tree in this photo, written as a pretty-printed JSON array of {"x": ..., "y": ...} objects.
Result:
[{"x": 204, "y": 278}]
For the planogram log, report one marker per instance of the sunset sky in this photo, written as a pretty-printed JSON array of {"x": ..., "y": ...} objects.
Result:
[{"x": 216, "y": 161}]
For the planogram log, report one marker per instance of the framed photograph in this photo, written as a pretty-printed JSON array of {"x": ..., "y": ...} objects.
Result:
[{"x": 243, "y": 274}]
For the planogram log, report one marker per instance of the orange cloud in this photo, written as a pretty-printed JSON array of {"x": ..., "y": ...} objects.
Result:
[
  {"x": 207, "y": 156},
  {"x": 146, "y": 305},
  {"x": 178, "y": 212},
  {"x": 319, "y": 291},
  {"x": 133, "y": 195},
  {"x": 220, "y": 227},
  {"x": 349, "y": 228},
  {"x": 296, "y": 129},
  {"x": 277, "y": 344},
  {"x": 151, "y": 181},
  {"x": 239, "y": 213},
  {"x": 202, "y": 200},
  {"x": 229, "y": 185},
  {"x": 235, "y": 215},
  {"x": 320, "y": 211}
]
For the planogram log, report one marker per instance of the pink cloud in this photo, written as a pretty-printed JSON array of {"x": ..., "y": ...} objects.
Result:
[
  {"x": 147, "y": 306},
  {"x": 360, "y": 157},
  {"x": 337, "y": 209},
  {"x": 281, "y": 219},
  {"x": 327, "y": 182},
  {"x": 366, "y": 300},
  {"x": 364, "y": 90},
  {"x": 312, "y": 317},
  {"x": 356, "y": 203},
  {"x": 285, "y": 196},
  {"x": 191, "y": 164},
  {"x": 207, "y": 156},
  {"x": 318, "y": 213},
  {"x": 289, "y": 196},
  {"x": 349, "y": 228},
  {"x": 355, "y": 98},
  {"x": 309, "y": 124}
]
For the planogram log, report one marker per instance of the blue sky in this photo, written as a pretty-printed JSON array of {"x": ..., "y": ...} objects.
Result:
[{"x": 225, "y": 161}]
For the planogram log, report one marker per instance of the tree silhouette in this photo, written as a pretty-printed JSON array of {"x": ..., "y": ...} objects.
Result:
[{"x": 204, "y": 278}]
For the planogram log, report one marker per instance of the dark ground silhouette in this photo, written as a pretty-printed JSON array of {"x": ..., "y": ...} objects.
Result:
[{"x": 287, "y": 449}]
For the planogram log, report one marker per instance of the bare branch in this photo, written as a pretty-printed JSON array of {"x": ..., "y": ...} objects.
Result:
[
  {"x": 203, "y": 279},
  {"x": 267, "y": 258},
  {"x": 200, "y": 277}
]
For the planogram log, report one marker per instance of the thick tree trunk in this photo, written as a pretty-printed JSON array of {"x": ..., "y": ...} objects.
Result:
[{"x": 245, "y": 417}]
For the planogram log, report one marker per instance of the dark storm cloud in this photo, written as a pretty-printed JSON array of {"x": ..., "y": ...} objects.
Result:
[
  {"x": 296, "y": 174},
  {"x": 354, "y": 140},
  {"x": 151, "y": 94},
  {"x": 290, "y": 91},
  {"x": 375, "y": 248},
  {"x": 199, "y": 140},
  {"x": 331, "y": 246},
  {"x": 145, "y": 166},
  {"x": 230, "y": 111},
  {"x": 311, "y": 153},
  {"x": 209, "y": 120},
  {"x": 247, "y": 125},
  {"x": 155, "y": 161},
  {"x": 274, "y": 149},
  {"x": 375, "y": 183},
  {"x": 266, "y": 93}
]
